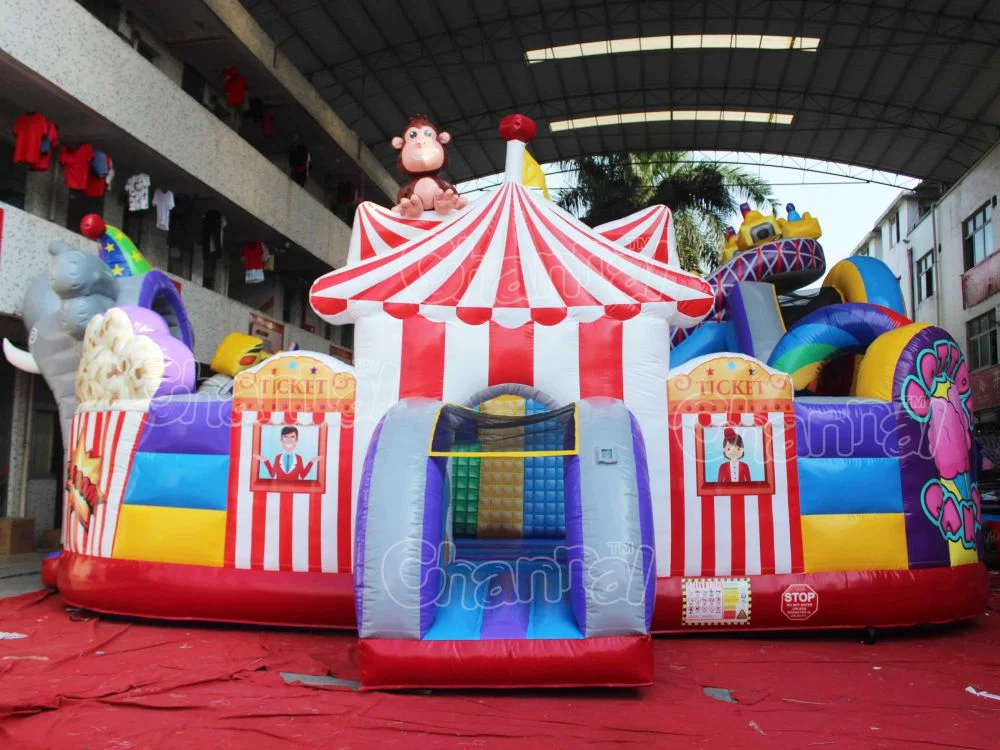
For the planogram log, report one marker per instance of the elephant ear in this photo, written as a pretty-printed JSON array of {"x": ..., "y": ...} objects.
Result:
[
  {"x": 84, "y": 283},
  {"x": 77, "y": 312}
]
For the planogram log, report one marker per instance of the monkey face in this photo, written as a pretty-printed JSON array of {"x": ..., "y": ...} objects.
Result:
[{"x": 421, "y": 148}]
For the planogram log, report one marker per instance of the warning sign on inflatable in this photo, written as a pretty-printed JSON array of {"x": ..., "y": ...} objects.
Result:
[{"x": 799, "y": 602}]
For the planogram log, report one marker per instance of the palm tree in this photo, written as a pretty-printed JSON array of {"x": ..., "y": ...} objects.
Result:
[{"x": 701, "y": 195}]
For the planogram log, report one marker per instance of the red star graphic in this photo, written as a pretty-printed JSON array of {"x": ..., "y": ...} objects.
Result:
[
  {"x": 274, "y": 370},
  {"x": 711, "y": 371}
]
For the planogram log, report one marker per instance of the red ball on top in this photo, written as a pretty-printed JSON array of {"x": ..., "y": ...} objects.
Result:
[
  {"x": 518, "y": 128},
  {"x": 92, "y": 226}
]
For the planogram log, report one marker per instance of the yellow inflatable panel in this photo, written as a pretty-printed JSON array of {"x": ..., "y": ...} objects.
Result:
[
  {"x": 854, "y": 541},
  {"x": 170, "y": 535},
  {"x": 237, "y": 352},
  {"x": 501, "y": 480},
  {"x": 807, "y": 227},
  {"x": 846, "y": 279},
  {"x": 878, "y": 366}
]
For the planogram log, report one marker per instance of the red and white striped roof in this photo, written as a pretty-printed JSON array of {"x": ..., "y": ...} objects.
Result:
[
  {"x": 649, "y": 232},
  {"x": 378, "y": 230},
  {"x": 510, "y": 257}
]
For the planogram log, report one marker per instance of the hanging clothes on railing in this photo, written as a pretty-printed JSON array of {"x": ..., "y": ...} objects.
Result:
[
  {"x": 75, "y": 160},
  {"x": 253, "y": 261},
  {"x": 137, "y": 187},
  {"x": 163, "y": 200}
]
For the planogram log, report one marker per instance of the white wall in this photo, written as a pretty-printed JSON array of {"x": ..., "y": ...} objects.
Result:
[
  {"x": 70, "y": 48},
  {"x": 975, "y": 188}
]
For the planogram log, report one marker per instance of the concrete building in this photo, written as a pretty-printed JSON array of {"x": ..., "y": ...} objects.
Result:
[
  {"x": 143, "y": 82},
  {"x": 942, "y": 246}
]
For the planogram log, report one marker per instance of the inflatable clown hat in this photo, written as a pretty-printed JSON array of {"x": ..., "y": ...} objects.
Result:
[{"x": 117, "y": 251}]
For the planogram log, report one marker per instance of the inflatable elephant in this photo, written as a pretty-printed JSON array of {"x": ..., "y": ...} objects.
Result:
[{"x": 58, "y": 306}]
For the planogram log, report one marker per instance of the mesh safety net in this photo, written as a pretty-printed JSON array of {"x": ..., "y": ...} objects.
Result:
[{"x": 464, "y": 432}]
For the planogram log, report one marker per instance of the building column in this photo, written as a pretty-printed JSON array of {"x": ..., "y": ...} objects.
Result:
[{"x": 20, "y": 434}]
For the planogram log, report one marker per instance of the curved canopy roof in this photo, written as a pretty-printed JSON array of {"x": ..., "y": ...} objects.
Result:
[
  {"x": 511, "y": 257},
  {"x": 907, "y": 86}
]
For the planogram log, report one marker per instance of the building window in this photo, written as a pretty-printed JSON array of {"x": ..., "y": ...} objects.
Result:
[
  {"x": 894, "y": 235},
  {"x": 977, "y": 233},
  {"x": 982, "y": 335},
  {"x": 924, "y": 276}
]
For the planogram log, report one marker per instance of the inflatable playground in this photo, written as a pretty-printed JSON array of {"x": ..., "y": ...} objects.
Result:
[{"x": 552, "y": 444}]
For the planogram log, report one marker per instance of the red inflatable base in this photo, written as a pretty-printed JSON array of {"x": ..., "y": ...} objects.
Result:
[
  {"x": 163, "y": 591},
  {"x": 619, "y": 661},
  {"x": 852, "y": 599}
]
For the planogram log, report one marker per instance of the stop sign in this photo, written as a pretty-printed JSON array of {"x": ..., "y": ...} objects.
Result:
[{"x": 799, "y": 602}]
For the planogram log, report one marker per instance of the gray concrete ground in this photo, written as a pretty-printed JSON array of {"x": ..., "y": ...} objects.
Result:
[{"x": 20, "y": 574}]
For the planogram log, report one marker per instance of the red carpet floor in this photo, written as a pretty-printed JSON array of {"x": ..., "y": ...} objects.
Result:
[{"x": 77, "y": 681}]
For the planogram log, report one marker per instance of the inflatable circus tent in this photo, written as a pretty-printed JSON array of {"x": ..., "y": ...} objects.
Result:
[{"x": 512, "y": 298}]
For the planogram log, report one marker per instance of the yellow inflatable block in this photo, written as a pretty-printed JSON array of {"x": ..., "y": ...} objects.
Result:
[
  {"x": 878, "y": 366},
  {"x": 853, "y": 541},
  {"x": 170, "y": 535},
  {"x": 807, "y": 227},
  {"x": 756, "y": 229},
  {"x": 237, "y": 352},
  {"x": 501, "y": 480}
]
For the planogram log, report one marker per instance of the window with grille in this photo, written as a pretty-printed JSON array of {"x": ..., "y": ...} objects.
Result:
[
  {"x": 982, "y": 335},
  {"x": 923, "y": 275},
  {"x": 977, "y": 234}
]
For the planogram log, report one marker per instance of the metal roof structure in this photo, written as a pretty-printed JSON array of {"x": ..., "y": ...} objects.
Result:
[{"x": 905, "y": 86}]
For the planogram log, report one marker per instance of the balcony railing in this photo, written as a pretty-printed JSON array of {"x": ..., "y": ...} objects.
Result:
[
  {"x": 981, "y": 281},
  {"x": 986, "y": 388}
]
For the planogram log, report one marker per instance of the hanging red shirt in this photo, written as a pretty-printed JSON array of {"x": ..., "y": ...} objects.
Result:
[
  {"x": 44, "y": 159},
  {"x": 236, "y": 90},
  {"x": 76, "y": 165},
  {"x": 28, "y": 131},
  {"x": 95, "y": 183}
]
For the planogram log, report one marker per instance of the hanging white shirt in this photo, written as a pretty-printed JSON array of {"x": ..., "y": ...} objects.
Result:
[
  {"x": 164, "y": 202},
  {"x": 137, "y": 188}
]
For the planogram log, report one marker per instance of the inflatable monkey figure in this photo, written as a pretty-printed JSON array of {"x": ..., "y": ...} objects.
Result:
[{"x": 421, "y": 157}]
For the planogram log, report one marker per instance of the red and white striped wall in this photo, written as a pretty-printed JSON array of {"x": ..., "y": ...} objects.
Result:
[
  {"x": 733, "y": 535},
  {"x": 291, "y": 531},
  {"x": 109, "y": 439},
  {"x": 451, "y": 361}
]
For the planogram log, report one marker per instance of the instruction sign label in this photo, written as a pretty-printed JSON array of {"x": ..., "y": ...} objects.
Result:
[
  {"x": 799, "y": 602},
  {"x": 716, "y": 601}
]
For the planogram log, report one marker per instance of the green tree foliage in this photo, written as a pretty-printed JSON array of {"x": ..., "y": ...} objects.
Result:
[{"x": 701, "y": 195}]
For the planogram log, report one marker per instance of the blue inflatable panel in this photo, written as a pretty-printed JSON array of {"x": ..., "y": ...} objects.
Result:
[
  {"x": 849, "y": 485},
  {"x": 179, "y": 480},
  {"x": 544, "y": 510},
  {"x": 881, "y": 285},
  {"x": 830, "y": 427},
  {"x": 708, "y": 338},
  {"x": 187, "y": 424},
  {"x": 542, "y": 610}
]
